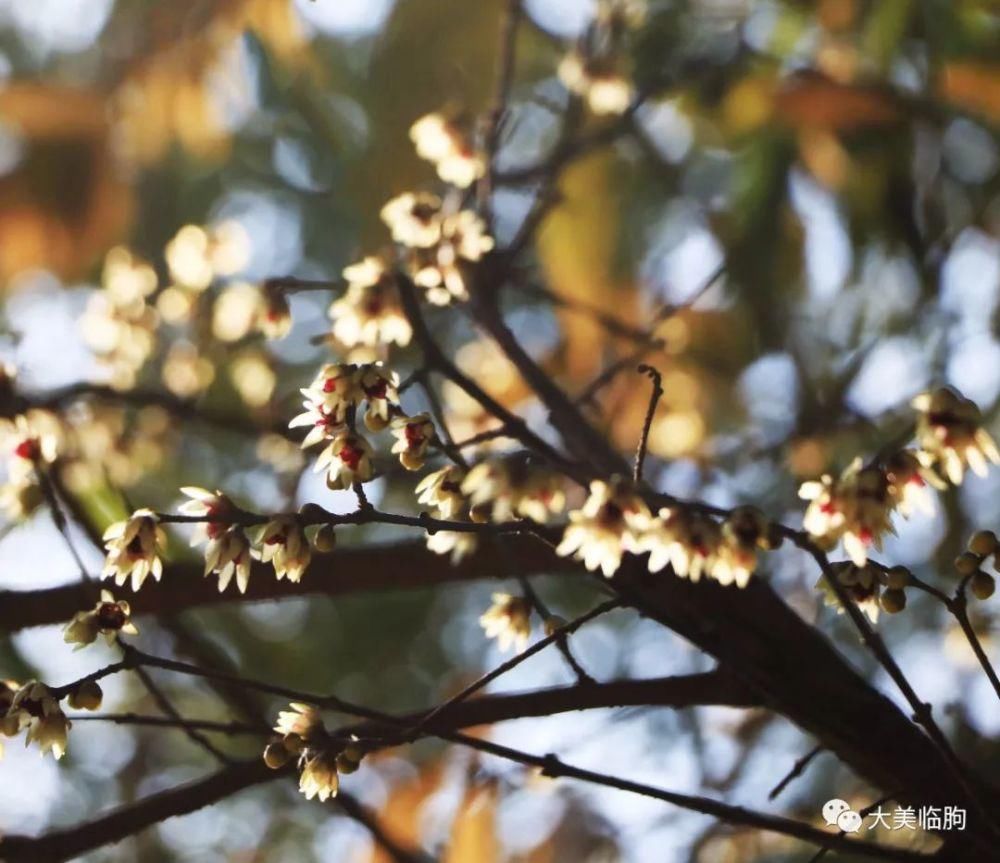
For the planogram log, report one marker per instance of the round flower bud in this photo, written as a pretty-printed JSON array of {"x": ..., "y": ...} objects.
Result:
[
  {"x": 552, "y": 623},
  {"x": 967, "y": 563},
  {"x": 87, "y": 696},
  {"x": 892, "y": 600},
  {"x": 983, "y": 543},
  {"x": 480, "y": 514},
  {"x": 774, "y": 536},
  {"x": 312, "y": 512},
  {"x": 897, "y": 577},
  {"x": 411, "y": 461},
  {"x": 983, "y": 585},
  {"x": 347, "y": 765},
  {"x": 293, "y": 743},
  {"x": 10, "y": 725},
  {"x": 276, "y": 755},
  {"x": 325, "y": 539}
]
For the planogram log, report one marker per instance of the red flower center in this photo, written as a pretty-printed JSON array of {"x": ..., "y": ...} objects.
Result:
[{"x": 28, "y": 449}]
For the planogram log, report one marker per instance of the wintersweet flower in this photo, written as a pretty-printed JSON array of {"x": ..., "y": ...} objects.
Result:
[
  {"x": 347, "y": 460},
  {"x": 414, "y": 219},
  {"x": 456, "y": 543},
  {"x": 228, "y": 554},
  {"x": 856, "y": 508},
  {"x": 35, "y": 708},
  {"x": 215, "y": 508},
  {"x": 336, "y": 388},
  {"x": 442, "y": 490},
  {"x": 282, "y": 543},
  {"x": 513, "y": 487},
  {"x": 413, "y": 436},
  {"x": 108, "y": 618},
  {"x": 380, "y": 388},
  {"x": 319, "y": 776},
  {"x": 134, "y": 547},
  {"x": 303, "y": 723},
  {"x": 609, "y": 522},
  {"x": 910, "y": 483},
  {"x": 274, "y": 316},
  {"x": 688, "y": 541},
  {"x": 508, "y": 620},
  {"x": 950, "y": 435},
  {"x": 370, "y": 312},
  {"x": 441, "y": 270},
  {"x": 439, "y": 140},
  {"x": 322, "y": 424},
  {"x": 30, "y": 440}
]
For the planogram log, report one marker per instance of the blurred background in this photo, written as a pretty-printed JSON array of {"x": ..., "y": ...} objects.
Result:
[{"x": 838, "y": 159}]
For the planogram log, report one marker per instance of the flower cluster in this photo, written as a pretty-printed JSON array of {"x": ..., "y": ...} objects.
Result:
[
  {"x": 370, "y": 313},
  {"x": 856, "y": 508},
  {"x": 119, "y": 325},
  {"x": 332, "y": 402},
  {"x": 440, "y": 245},
  {"x": 34, "y": 707},
  {"x": 595, "y": 70},
  {"x": 870, "y": 586},
  {"x": 321, "y": 758}
]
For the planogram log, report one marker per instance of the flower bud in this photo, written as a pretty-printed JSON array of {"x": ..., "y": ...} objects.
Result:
[
  {"x": 982, "y": 585},
  {"x": 345, "y": 764},
  {"x": 480, "y": 514},
  {"x": 325, "y": 539},
  {"x": 293, "y": 743},
  {"x": 967, "y": 563},
  {"x": 983, "y": 543},
  {"x": 276, "y": 755},
  {"x": 552, "y": 623},
  {"x": 897, "y": 577},
  {"x": 87, "y": 696},
  {"x": 893, "y": 600}
]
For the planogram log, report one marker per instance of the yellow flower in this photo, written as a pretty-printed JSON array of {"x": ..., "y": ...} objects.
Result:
[
  {"x": 863, "y": 584},
  {"x": 508, "y": 620},
  {"x": 380, "y": 388},
  {"x": 950, "y": 435},
  {"x": 414, "y": 219},
  {"x": 370, "y": 312},
  {"x": 274, "y": 316},
  {"x": 33, "y": 707},
  {"x": 443, "y": 491},
  {"x": 441, "y": 270},
  {"x": 303, "y": 721},
  {"x": 595, "y": 80},
  {"x": 437, "y": 139},
  {"x": 456, "y": 543},
  {"x": 133, "y": 547},
  {"x": 107, "y": 618},
  {"x": 283, "y": 544},
  {"x": 228, "y": 554},
  {"x": 214, "y": 507},
  {"x": 607, "y": 524},
  {"x": 319, "y": 776},
  {"x": 512, "y": 487},
  {"x": 413, "y": 437},
  {"x": 347, "y": 460}
]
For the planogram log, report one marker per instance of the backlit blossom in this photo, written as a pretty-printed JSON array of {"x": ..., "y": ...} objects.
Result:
[
  {"x": 508, "y": 620},
  {"x": 336, "y": 388},
  {"x": 21, "y": 498},
  {"x": 282, "y": 543},
  {"x": 442, "y": 490},
  {"x": 863, "y": 585},
  {"x": 596, "y": 81},
  {"x": 134, "y": 547},
  {"x": 910, "y": 483},
  {"x": 196, "y": 255},
  {"x": 442, "y": 269},
  {"x": 319, "y": 776},
  {"x": 228, "y": 554},
  {"x": 950, "y": 435},
  {"x": 439, "y": 140},
  {"x": 34, "y": 708},
  {"x": 273, "y": 315},
  {"x": 108, "y": 618},
  {"x": 413, "y": 436},
  {"x": 609, "y": 521},
  {"x": 688, "y": 541},
  {"x": 29, "y": 440},
  {"x": 513, "y": 487},
  {"x": 380, "y": 388},
  {"x": 370, "y": 312},
  {"x": 455, "y": 543},
  {"x": 215, "y": 508},
  {"x": 346, "y": 460},
  {"x": 304, "y": 722},
  {"x": 855, "y": 508},
  {"x": 414, "y": 219}
]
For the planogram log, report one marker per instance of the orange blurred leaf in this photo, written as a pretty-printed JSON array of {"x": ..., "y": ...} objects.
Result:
[
  {"x": 974, "y": 86},
  {"x": 473, "y": 834}
]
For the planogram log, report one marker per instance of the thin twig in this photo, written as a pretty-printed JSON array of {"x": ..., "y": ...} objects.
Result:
[
  {"x": 798, "y": 768},
  {"x": 654, "y": 399}
]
